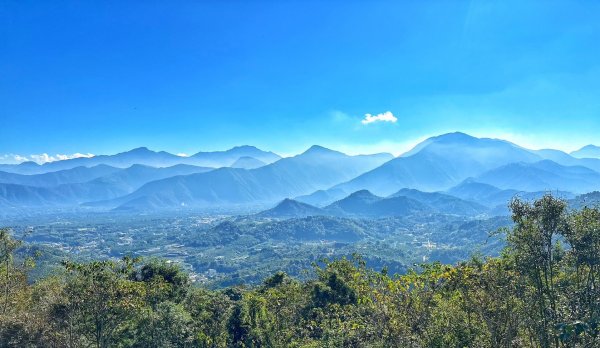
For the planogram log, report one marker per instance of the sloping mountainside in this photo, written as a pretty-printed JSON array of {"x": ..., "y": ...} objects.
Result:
[
  {"x": 247, "y": 162},
  {"x": 227, "y": 158},
  {"x": 317, "y": 168},
  {"x": 147, "y": 157},
  {"x": 12, "y": 195},
  {"x": 590, "y": 200},
  {"x": 443, "y": 203},
  {"x": 67, "y": 176},
  {"x": 493, "y": 197},
  {"x": 438, "y": 164},
  {"x": 141, "y": 155},
  {"x": 289, "y": 208},
  {"x": 409, "y": 202},
  {"x": 321, "y": 198},
  {"x": 452, "y": 173},
  {"x": 565, "y": 159},
  {"x": 485, "y": 194},
  {"x": 365, "y": 204},
  {"x": 589, "y": 151},
  {"x": 542, "y": 176},
  {"x": 125, "y": 181},
  {"x": 116, "y": 183}
]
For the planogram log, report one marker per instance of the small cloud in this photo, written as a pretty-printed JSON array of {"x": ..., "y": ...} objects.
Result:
[
  {"x": 12, "y": 158},
  {"x": 181, "y": 154},
  {"x": 40, "y": 158},
  {"x": 384, "y": 117}
]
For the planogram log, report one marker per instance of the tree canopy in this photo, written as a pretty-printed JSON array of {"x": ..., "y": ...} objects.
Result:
[{"x": 541, "y": 292}]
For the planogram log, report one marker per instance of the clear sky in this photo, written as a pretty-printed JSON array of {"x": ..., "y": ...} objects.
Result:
[{"x": 106, "y": 76}]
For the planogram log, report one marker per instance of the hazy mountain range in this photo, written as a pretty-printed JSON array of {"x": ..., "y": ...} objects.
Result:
[
  {"x": 448, "y": 174},
  {"x": 144, "y": 156},
  {"x": 365, "y": 204}
]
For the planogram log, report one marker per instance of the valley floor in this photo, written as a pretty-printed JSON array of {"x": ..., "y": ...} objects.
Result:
[{"x": 220, "y": 250}]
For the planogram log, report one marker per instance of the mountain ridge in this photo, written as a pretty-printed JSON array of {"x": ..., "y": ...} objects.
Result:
[{"x": 448, "y": 172}]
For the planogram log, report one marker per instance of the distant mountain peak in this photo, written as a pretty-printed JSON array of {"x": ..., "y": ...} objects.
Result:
[
  {"x": 228, "y": 157},
  {"x": 362, "y": 194},
  {"x": 588, "y": 151},
  {"x": 458, "y": 138},
  {"x": 141, "y": 149},
  {"x": 247, "y": 162},
  {"x": 291, "y": 203},
  {"x": 29, "y": 164},
  {"x": 320, "y": 150},
  {"x": 454, "y": 136},
  {"x": 291, "y": 208},
  {"x": 244, "y": 147}
]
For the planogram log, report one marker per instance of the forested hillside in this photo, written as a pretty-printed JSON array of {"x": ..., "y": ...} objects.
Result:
[{"x": 541, "y": 292}]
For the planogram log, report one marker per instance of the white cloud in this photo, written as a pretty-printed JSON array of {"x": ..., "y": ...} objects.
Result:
[
  {"x": 40, "y": 158},
  {"x": 384, "y": 117},
  {"x": 12, "y": 158},
  {"x": 181, "y": 154}
]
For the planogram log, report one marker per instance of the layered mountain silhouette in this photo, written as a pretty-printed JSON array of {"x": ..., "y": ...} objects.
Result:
[
  {"x": 485, "y": 194},
  {"x": 453, "y": 173},
  {"x": 588, "y": 151},
  {"x": 12, "y": 195},
  {"x": 289, "y": 208},
  {"x": 542, "y": 175},
  {"x": 247, "y": 162},
  {"x": 75, "y": 175},
  {"x": 444, "y": 203},
  {"x": 218, "y": 159},
  {"x": 73, "y": 189},
  {"x": 438, "y": 164},
  {"x": 141, "y": 155},
  {"x": 365, "y": 204},
  {"x": 125, "y": 181},
  {"x": 316, "y": 168},
  {"x": 497, "y": 199},
  {"x": 145, "y": 156}
]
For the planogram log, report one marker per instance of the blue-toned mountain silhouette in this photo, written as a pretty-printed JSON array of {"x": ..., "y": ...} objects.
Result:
[
  {"x": 452, "y": 173},
  {"x": 145, "y": 156},
  {"x": 316, "y": 168},
  {"x": 588, "y": 151}
]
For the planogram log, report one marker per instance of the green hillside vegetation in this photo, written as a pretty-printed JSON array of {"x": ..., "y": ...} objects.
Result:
[{"x": 541, "y": 292}]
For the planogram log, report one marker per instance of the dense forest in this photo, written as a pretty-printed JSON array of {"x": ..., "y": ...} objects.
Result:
[{"x": 541, "y": 292}]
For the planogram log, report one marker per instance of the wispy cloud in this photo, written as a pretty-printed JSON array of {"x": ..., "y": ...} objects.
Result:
[
  {"x": 40, "y": 158},
  {"x": 384, "y": 117},
  {"x": 339, "y": 116}
]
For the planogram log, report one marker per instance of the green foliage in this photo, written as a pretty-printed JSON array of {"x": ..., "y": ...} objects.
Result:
[{"x": 541, "y": 292}]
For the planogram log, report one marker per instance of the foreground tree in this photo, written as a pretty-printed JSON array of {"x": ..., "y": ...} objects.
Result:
[{"x": 541, "y": 292}]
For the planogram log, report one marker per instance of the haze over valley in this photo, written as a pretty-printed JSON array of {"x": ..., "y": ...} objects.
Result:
[
  {"x": 479, "y": 174},
  {"x": 218, "y": 212},
  {"x": 270, "y": 174}
]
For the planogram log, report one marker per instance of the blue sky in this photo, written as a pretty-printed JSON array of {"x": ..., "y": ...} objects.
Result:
[{"x": 106, "y": 76}]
